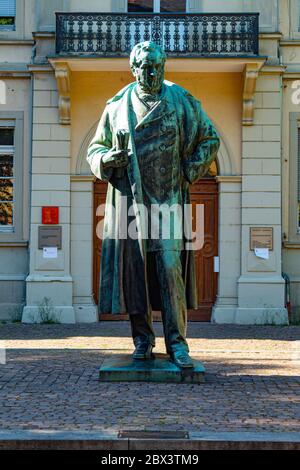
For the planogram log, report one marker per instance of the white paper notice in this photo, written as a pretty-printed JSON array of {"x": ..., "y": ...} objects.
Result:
[
  {"x": 50, "y": 252},
  {"x": 262, "y": 253}
]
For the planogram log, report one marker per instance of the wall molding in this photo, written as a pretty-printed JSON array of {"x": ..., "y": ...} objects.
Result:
[
  {"x": 83, "y": 178},
  {"x": 16, "y": 244},
  {"x": 229, "y": 179}
]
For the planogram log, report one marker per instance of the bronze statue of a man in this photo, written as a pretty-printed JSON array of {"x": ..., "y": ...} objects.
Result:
[{"x": 172, "y": 144}]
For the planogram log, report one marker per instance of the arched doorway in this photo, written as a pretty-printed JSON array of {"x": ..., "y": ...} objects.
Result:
[{"x": 203, "y": 192}]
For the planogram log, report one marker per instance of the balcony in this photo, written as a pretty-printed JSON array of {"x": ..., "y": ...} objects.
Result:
[
  {"x": 181, "y": 35},
  {"x": 191, "y": 41}
]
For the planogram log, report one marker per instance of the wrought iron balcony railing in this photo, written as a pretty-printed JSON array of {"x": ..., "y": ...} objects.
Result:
[{"x": 181, "y": 35}]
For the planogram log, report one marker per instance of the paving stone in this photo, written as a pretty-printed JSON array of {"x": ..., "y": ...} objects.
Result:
[{"x": 51, "y": 381}]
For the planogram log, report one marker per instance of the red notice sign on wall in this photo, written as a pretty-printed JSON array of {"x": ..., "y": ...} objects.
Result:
[{"x": 50, "y": 215}]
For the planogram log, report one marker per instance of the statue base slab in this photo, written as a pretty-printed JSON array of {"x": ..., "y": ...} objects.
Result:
[{"x": 122, "y": 368}]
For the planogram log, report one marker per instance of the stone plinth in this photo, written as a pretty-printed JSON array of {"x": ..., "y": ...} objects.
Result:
[{"x": 122, "y": 368}]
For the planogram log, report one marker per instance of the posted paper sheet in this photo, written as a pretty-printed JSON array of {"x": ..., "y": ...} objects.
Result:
[
  {"x": 50, "y": 252},
  {"x": 262, "y": 253}
]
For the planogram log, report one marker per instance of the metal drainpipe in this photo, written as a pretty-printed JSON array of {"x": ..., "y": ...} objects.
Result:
[
  {"x": 281, "y": 157},
  {"x": 287, "y": 294},
  {"x": 30, "y": 145}
]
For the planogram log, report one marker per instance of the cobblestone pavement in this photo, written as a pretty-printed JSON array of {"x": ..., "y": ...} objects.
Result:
[{"x": 50, "y": 380}]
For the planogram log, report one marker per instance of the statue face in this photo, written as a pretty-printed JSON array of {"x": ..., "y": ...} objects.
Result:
[{"x": 149, "y": 74}]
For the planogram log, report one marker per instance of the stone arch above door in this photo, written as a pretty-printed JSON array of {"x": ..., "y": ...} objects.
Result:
[
  {"x": 82, "y": 166},
  {"x": 226, "y": 165}
]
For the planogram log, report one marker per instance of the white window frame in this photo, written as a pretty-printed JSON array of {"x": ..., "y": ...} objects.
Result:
[
  {"x": 13, "y": 10},
  {"x": 20, "y": 18},
  {"x": 9, "y": 150},
  {"x": 15, "y": 120}
]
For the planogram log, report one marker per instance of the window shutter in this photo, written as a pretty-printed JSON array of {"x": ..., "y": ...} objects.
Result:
[{"x": 7, "y": 7}]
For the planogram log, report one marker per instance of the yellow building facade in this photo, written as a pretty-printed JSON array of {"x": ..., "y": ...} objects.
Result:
[{"x": 54, "y": 84}]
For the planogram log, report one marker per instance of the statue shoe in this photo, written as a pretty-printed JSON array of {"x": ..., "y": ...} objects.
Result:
[
  {"x": 182, "y": 359},
  {"x": 143, "y": 351}
]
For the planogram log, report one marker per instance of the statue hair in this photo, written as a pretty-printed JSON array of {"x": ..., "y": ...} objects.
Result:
[{"x": 147, "y": 46}]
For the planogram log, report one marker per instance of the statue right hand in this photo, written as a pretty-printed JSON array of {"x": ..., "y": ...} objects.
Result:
[{"x": 115, "y": 158}]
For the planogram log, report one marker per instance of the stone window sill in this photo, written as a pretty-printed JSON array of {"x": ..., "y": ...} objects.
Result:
[{"x": 13, "y": 244}]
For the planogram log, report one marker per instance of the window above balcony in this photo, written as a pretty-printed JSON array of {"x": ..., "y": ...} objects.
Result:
[{"x": 157, "y": 6}]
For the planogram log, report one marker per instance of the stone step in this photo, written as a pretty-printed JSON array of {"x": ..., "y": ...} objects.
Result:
[{"x": 193, "y": 441}]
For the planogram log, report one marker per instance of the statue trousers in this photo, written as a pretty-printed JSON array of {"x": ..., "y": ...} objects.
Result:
[{"x": 165, "y": 280}]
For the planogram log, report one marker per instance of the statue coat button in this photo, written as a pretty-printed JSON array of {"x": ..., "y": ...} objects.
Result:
[
  {"x": 163, "y": 170},
  {"x": 162, "y": 147}
]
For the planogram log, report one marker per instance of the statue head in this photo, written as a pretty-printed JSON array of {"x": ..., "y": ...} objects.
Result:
[{"x": 147, "y": 62}]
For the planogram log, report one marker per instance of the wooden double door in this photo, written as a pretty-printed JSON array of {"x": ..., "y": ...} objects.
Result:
[{"x": 204, "y": 192}]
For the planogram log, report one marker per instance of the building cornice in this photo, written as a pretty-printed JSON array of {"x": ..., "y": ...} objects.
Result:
[
  {"x": 12, "y": 277},
  {"x": 270, "y": 36},
  {"x": 36, "y": 68},
  {"x": 289, "y": 42},
  {"x": 83, "y": 178},
  {"x": 20, "y": 244},
  {"x": 272, "y": 69},
  {"x": 291, "y": 245},
  {"x": 44, "y": 278},
  {"x": 14, "y": 70},
  {"x": 292, "y": 73},
  {"x": 229, "y": 179},
  {"x": 17, "y": 42},
  {"x": 43, "y": 34}
]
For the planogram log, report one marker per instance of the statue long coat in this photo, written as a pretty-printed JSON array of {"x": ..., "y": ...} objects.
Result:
[{"x": 192, "y": 146}]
